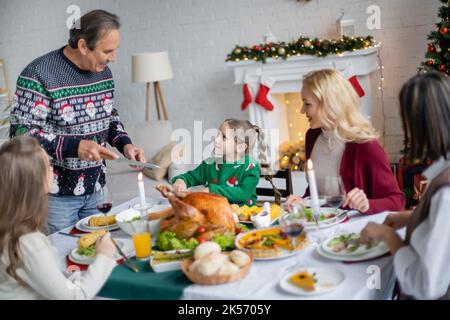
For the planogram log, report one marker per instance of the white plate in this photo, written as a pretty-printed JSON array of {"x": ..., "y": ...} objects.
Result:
[
  {"x": 362, "y": 249},
  {"x": 328, "y": 279},
  {"x": 84, "y": 260},
  {"x": 380, "y": 251},
  {"x": 283, "y": 252},
  {"x": 167, "y": 266},
  {"x": 83, "y": 224}
]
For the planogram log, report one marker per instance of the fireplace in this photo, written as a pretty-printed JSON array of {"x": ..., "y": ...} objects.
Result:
[{"x": 285, "y": 124}]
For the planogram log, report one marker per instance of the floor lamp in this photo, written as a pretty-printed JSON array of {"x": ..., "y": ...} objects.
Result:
[{"x": 152, "y": 67}]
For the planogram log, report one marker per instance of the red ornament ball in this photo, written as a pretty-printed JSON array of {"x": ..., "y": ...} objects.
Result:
[
  {"x": 443, "y": 30},
  {"x": 257, "y": 48},
  {"x": 430, "y": 62},
  {"x": 431, "y": 48},
  {"x": 441, "y": 67}
]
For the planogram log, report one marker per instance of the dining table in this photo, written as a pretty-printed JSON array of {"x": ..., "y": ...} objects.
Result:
[{"x": 365, "y": 280}]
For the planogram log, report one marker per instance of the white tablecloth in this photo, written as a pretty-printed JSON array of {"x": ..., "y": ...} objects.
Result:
[{"x": 262, "y": 281}]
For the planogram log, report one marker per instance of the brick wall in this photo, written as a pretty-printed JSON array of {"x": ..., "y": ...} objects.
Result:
[{"x": 199, "y": 33}]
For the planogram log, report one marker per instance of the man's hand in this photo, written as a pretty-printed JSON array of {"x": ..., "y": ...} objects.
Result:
[
  {"x": 131, "y": 152},
  {"x": 91, "y": 151}
]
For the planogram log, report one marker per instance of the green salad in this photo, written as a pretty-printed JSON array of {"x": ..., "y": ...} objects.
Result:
[
  {"x": 349, "y": 242},
  {"x": 168, "y": 240},
  {"x": 322, "y": 216},
  {"x": 88, "y": 252}
]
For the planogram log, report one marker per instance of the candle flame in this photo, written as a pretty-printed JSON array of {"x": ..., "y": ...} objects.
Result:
[
  {"x": 310, "y": 164},
  {"x": 140, "y": 176}
]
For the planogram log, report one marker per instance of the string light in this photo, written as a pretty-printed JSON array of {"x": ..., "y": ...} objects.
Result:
[{"x": 380, "y": 87}]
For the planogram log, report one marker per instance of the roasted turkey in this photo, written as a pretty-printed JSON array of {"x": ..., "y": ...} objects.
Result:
[{"x": 192, "y": 210}]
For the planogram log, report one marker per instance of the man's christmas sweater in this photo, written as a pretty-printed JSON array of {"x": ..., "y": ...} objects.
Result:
[
  {"x": 60, "y": 105},
  {"x": 236, "y": 181}
]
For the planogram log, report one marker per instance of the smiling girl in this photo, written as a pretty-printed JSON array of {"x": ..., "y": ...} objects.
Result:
[{"x": 232, "y": 172}]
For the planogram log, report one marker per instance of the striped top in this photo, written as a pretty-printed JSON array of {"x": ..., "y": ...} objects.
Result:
[{"x": 60, "y": 105}]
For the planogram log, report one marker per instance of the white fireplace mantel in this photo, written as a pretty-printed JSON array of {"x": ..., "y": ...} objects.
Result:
[{"x": 287, "y": 76}]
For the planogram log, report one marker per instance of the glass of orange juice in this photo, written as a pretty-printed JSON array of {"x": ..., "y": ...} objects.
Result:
[{"x": 142, "y": 240}]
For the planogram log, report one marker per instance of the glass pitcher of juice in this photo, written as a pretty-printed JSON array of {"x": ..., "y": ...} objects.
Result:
[{"x": 142, "y": 240}]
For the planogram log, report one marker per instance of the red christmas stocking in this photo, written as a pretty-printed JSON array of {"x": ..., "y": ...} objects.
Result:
[
  {"x": 355, "y": 83},
  {"x": 247, "y": 97},
  {"x": 261, "y": 97}
]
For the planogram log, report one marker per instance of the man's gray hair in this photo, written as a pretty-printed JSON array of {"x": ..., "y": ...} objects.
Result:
[{"x": 92, "y": 26}]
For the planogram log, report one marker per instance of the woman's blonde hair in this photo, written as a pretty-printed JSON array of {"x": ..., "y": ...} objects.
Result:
[
  {"x": 23, "y": 195},
  {"x": 339, "y": 106}
]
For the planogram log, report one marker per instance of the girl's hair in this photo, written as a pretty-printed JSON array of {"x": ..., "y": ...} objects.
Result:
[
  {"x": 23, "y": 197},
  {"x": 244, "y": 132},
  {"x": 425, "y": 111},
  {"x": 339, "y": 106}
]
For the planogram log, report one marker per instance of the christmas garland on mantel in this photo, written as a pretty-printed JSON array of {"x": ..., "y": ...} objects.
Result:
[{"x": 303, "y": 46}]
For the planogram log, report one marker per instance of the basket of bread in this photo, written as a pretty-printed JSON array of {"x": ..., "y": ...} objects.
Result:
[{"x": 211, "y": 266}]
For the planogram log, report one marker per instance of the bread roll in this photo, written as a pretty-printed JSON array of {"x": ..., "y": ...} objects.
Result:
[
  {"x": 205, "y": 249},
  {"x": 211, "y": 264},
  {"x": 239, "y": 258},
  {"x": 228, "y": 268}
]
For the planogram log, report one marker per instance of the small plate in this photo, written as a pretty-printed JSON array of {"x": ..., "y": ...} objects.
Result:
[
  {"x": 83, "y": 224},
  {"x": 328, "y": 279},
  {"x": 84, "y": 260}
]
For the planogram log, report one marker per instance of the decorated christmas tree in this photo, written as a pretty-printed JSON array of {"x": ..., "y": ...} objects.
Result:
[{"x": 438, "y": 53}]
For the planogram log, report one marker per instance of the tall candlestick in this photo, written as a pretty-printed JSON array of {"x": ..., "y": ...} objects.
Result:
[
  {"x": 313, "y": 189},
  {"x": 141, "y": 192}
]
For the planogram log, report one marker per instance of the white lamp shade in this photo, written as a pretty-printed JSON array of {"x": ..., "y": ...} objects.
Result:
[{"x": 151, "y": 67}]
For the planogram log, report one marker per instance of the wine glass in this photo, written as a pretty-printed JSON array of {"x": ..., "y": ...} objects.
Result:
[
  {"x": 334, "y": 192},
  {"x": 292, "y": 225},
  {"x": 105, "y": 204}
]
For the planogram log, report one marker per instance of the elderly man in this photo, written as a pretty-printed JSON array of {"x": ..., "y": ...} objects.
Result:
[{"x": 65, "y": 99}]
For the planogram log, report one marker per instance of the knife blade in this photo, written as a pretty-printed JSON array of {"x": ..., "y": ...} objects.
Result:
[
  {"x": 127, "y": 260},
  {"x": 150, "y": 166}
]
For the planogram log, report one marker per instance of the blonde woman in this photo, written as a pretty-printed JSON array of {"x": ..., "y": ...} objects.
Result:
[
  {"x": 28, "y": 262},
  {"x": 342, "y": 142}
]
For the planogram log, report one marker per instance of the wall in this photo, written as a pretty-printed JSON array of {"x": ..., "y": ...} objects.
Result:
[{"x": 199, "y": 33}]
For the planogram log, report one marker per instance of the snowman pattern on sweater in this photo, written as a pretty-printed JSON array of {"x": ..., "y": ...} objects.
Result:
[
  {"x": 79, "y": 188},
  {"x": 55, "y": 186}
]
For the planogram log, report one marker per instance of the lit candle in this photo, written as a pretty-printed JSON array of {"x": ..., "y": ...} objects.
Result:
[
  {"x": 141, "y": 190},
  {"x": 313, "y": 189}
]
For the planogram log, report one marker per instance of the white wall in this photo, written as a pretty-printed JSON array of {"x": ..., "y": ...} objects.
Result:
[{"x": 199, "y": 33}]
